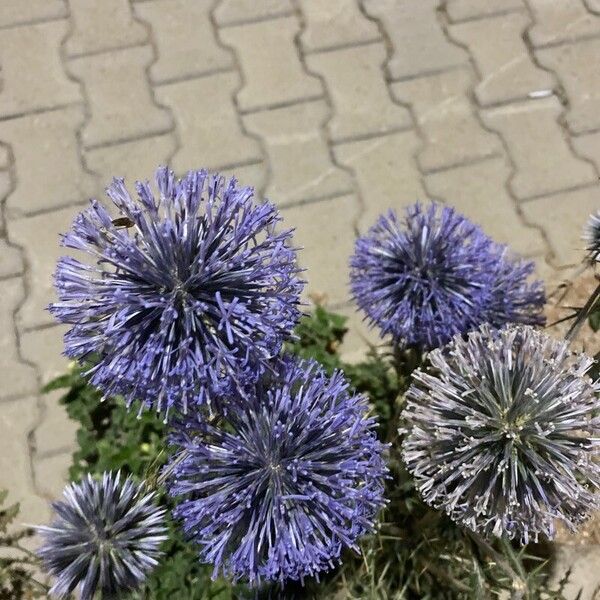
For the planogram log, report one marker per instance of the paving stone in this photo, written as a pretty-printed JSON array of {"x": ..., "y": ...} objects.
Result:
[
  {"x": 334, "y": 23},
  {"x": 418, "y": 40},
  {"x": 562, "y": 217},
  {"x": 208, "y": 127},
  {"x": 385, "y": 171},
  {"x": 51, "y": 474},
  {"x": 588, "y": 146},
  {"x": 446, "y": 118},
  {"x": 239, "y": 11},
  {"x": 506, "y": 70},
  {"x": 101, "y": 26},
  {"x": 119, "y": 97},
  {"x": 273, "y": 73},
  {"x": 47, "y": 163},
  {"x": 56, "y": 432},
  {"x": 300, "y": 164},
  {"x": 593, "y": 6},
  {"x": 15, "y": 13},
  {"x": 134, "y": 161},
  {"x": 22, "y": 378},
  {"x": 325, "y": 228},
  {"x": 543, "y": 159},
  {"x": 249, "y": 176},
  {"x": 17, "y": 419},
  {"x": 462, "y": 10},
  {"x": 32, "y": 75},
  {"x": 361, "y": 100},
  {"x": 185, "y": 38},
  {"x": 44, "y": 348},
  {"x": 580, "y": 566},
  {"x": 479, "y": 192},
  {"x": 359, "y": 337},
  {"x": 39, "y": 237},
  {"x": 11, "y": 261},
  {"x": 576, "y": 67},
  {"x": 558, "y": 22}
]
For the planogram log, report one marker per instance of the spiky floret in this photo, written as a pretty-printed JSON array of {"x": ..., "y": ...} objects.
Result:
[
  {"x": 591, "y": 236},
  {"x": 186, "y": 288},
  {"x": 436, "y": 274},
  {"x": 502, "y": 433},
  {"x": 291, "y": 475},
  {"x": 105, "y": 538}
]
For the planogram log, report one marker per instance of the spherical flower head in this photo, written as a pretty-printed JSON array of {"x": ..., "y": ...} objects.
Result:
[
  {"x": 285, "y": 481},
  {"x": 435, "y": 275},
  {"x": 105, "y": 538},
  {"x": 187, "y": 289},
  {"x": 591, "y": 236},
  {"x": 502, "y": 433}
]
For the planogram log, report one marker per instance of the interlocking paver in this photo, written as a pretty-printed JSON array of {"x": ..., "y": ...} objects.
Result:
[
  {"x": 209, "y": 129},
  {"x": 588, "y": 146},
  {"x": 17, "y": 419},
  {"x": 249, "y": 176},
  {"x": 360, "y": 336},
  {"x": 21, "y": 377},
  {"x": 273, "y": 73},
  {"x": 325, "y": 228},
  {"x": 386, "y": 173},
  {"x": 47, "y": 163},
  {"x": 300, "y": 164},
  {"x": 185, "y": 38},
  {"x": 462, "y": 10},
  {"x": 447, "y": 119},
  {"x": 51, "y": 474},
  {"x": 32, "y": 75},
  {"x": 593, "y": 6},
  {"x": 418, "y": 40},
  {"x": 44, "y": 348},
  {"x": 56, "y": 432},
  {"x": 11, "y": 260},
  {"x": 483, "y": 184},
  {"x": 562, "y": 217},
  {"x": 14, "y": 13},
  {"x": 506, "y": 70},
  {"x": 134, "y": 161},
  {"x": 530, "y": 129},
  {"x": 361, "y": 101},
  {"x": 334, "y": 23},
  {"x": 240, "y": 11},
  {"x": 119, "y": 98},
  {"x": 39, "y": 236},
  {"x": 101, "y": 26},
  {"x": 576, "y": 67},
  {"x": 557, "y": 22}
]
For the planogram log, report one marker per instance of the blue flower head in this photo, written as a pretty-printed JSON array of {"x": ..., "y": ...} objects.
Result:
[
  {"x": 291, "y": 475},
  {"x": 437, "y": 274},
  {"x": 105, "y": 538},
  {"x": 186, "y": 290}
]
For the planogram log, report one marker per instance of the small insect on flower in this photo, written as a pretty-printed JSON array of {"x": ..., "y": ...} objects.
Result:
[
  {"x": 105, "y": 538},
  {"x": 285, "y": 481},
  {"x": 437, "y": 274},
  {"x": 186, "y": 290},
  {"x": 591, "y": 236},
  {"x": 502, "y": 433}
]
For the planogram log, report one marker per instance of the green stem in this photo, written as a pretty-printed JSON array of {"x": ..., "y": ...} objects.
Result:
[{"x": 583, "y": 314}]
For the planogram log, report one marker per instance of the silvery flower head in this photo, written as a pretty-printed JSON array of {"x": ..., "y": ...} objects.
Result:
[
  {"x": 288, "y": 478},
  {"x": 502, "y": 433},
  {"x": 186, "y": 289},
  {"x": 105, "y": 538},
  {"x": 436, "y": 274},
  {"x": 591, "y": 236}
]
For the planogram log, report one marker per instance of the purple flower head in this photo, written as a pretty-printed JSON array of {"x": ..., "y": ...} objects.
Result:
[
  {"x": 437, "y": 274},
  {"x": 285, "y": 481},
  {"x": 591, "y": 236},
  {"x": 502, "y": 433},
  {"x": 105, "y": 538},
  {"x": 188, "y": 287}
]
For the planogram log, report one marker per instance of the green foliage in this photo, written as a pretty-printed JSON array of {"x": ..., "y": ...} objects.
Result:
[{"x": 416, "y": 553}]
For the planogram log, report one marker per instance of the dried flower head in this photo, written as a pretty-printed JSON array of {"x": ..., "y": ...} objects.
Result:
[
  {"x": 188, "y": 288},
  {"x": 289, "y": 478},
  {"x": 437, "y": 274},
  {"x": 591, "y": 236},
  {"x": 105, "y": 538},
  {"x": 502, "y": 433}
]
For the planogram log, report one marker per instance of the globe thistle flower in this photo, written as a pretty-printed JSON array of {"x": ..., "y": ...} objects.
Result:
[
  {"x": 502, "y": 433},
  {"x": 188, "y": 288},
  {"x": 591, "y": 236},
  {"x": 105, "y": 538},
  {"x": 289, "y": 478},
  {"x": 436, "y": 275}
]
